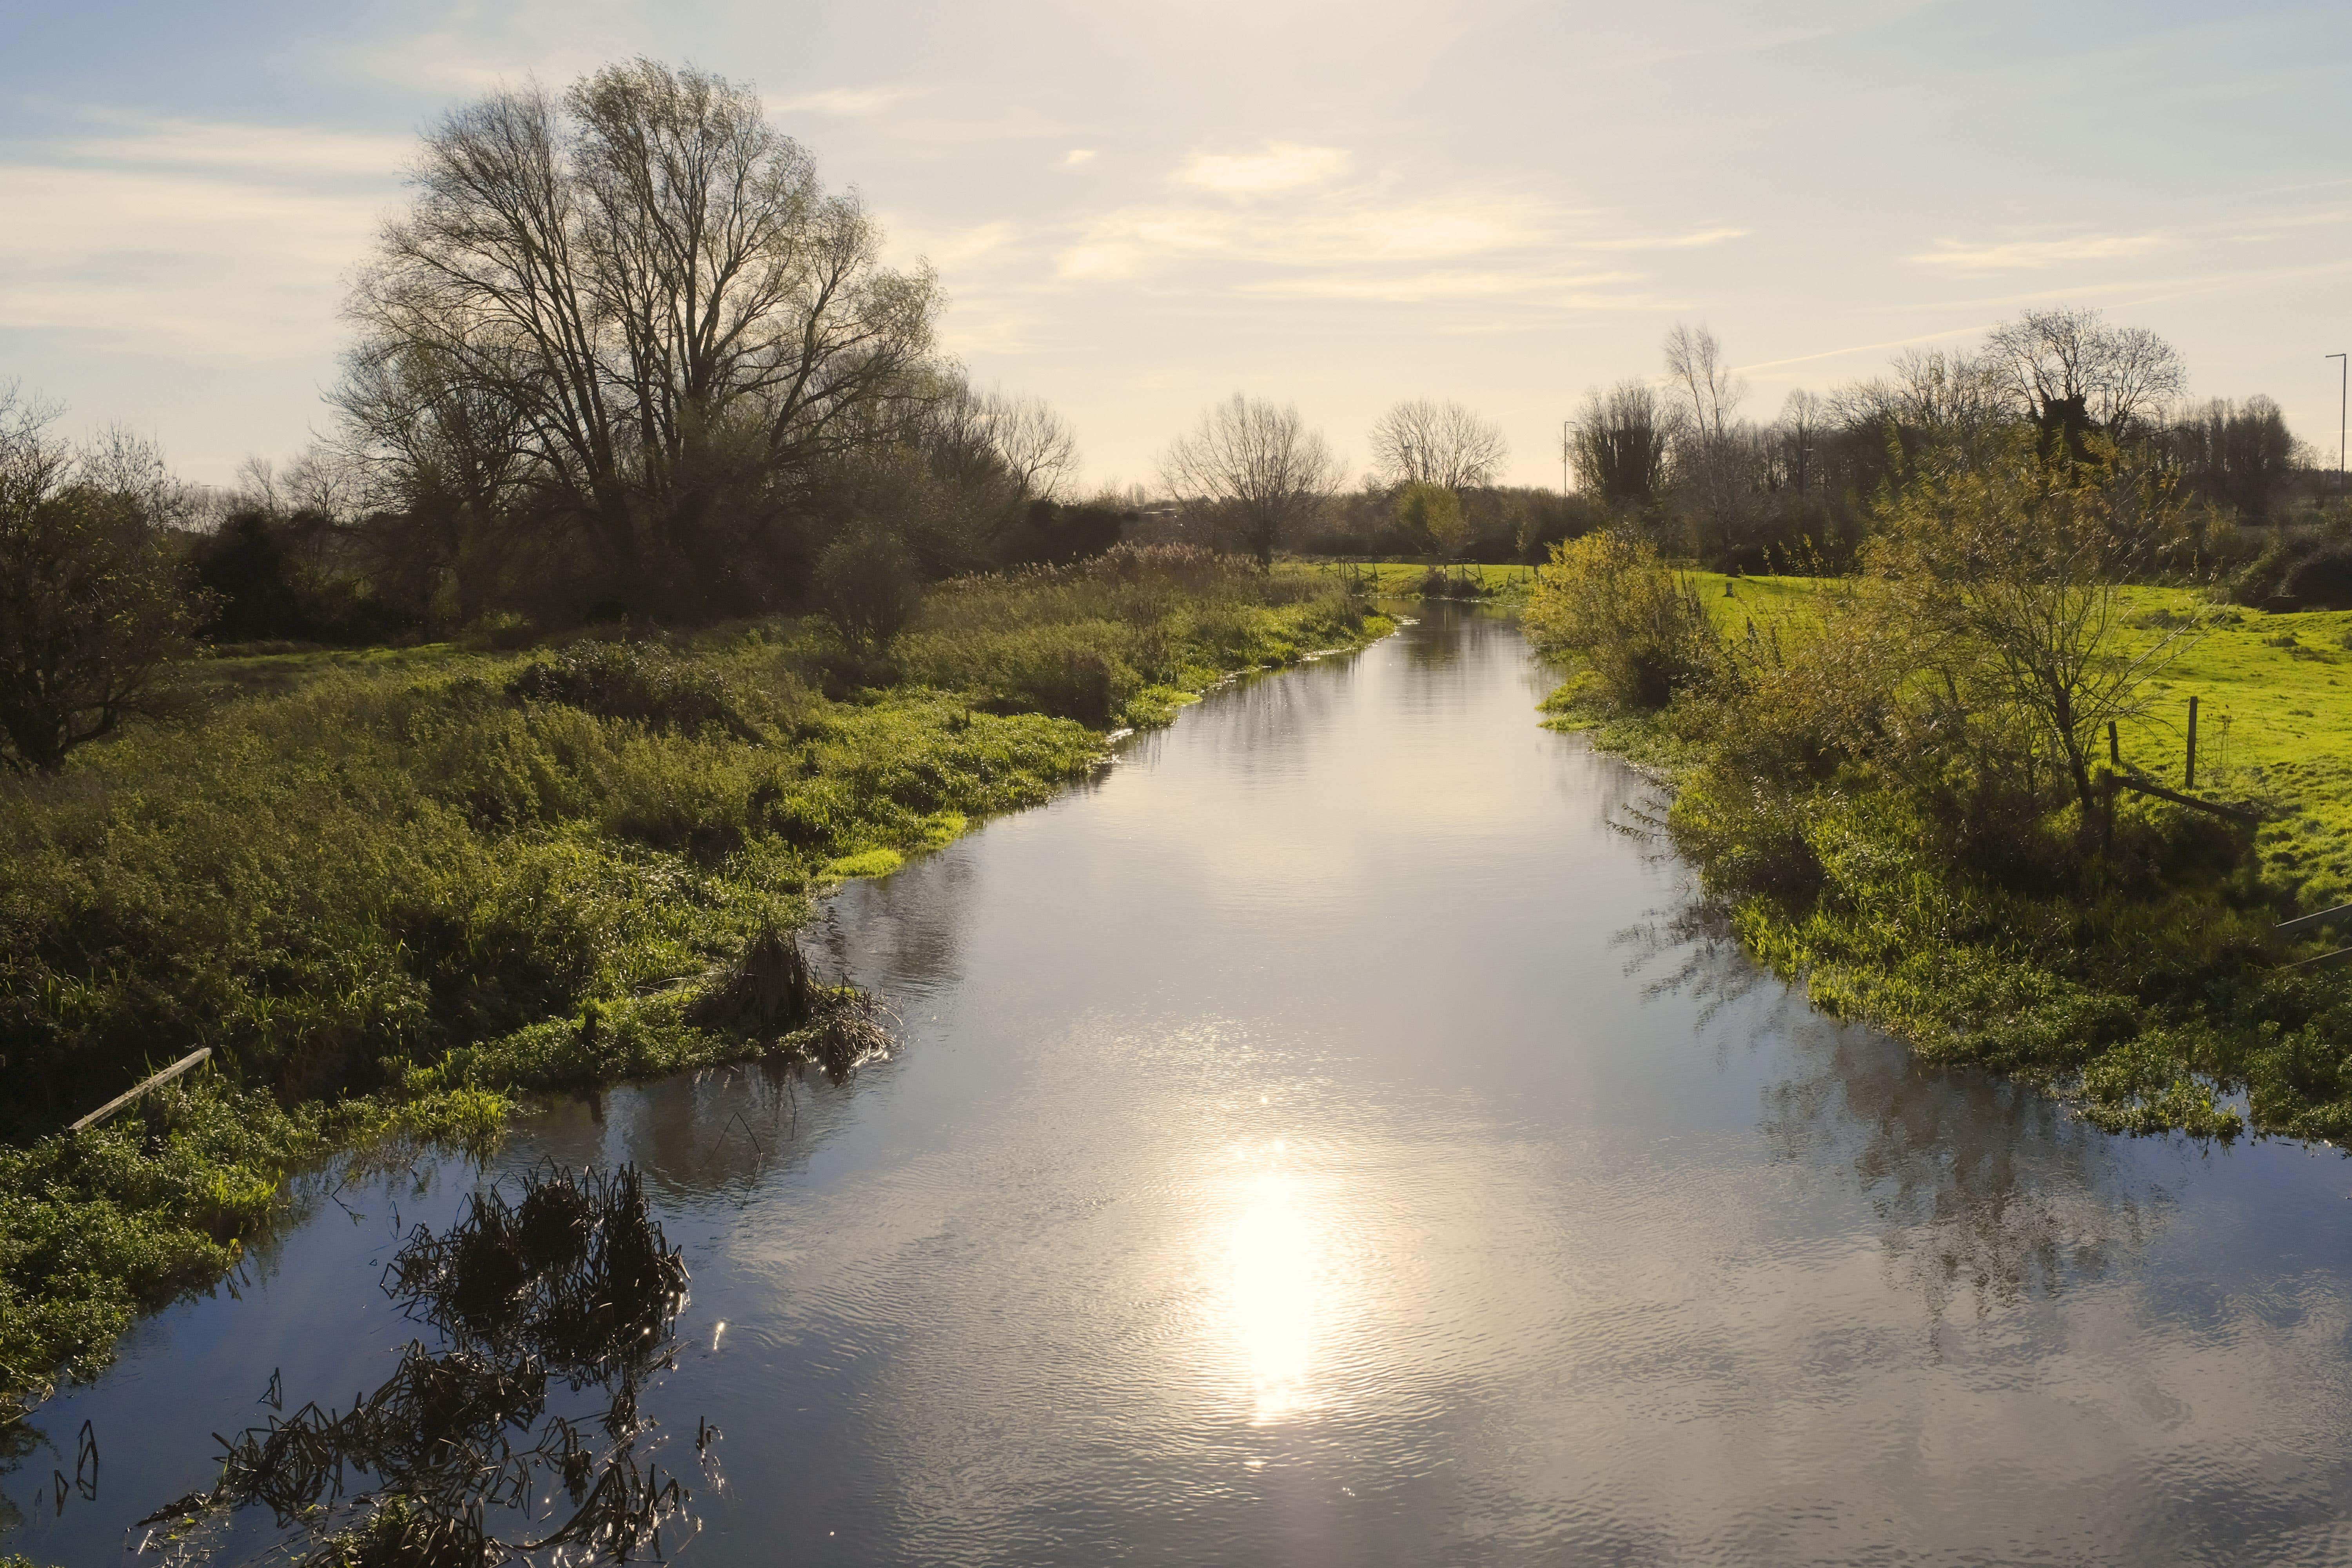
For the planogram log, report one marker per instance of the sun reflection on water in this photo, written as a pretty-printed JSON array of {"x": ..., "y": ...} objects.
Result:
[{"x": 1275, "y": 1284}]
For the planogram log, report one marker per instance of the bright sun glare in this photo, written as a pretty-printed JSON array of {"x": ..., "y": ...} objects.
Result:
[{"x": 1274, "y": 1286}]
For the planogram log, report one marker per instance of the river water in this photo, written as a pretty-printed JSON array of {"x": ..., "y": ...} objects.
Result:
[{"x": 1330, "y": 1138}]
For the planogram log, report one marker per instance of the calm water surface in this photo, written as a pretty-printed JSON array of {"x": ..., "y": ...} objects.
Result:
[{"x": 1329, "y": 1139}]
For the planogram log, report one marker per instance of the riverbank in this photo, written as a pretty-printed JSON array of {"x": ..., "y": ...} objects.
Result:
[
  {"x": 2145, "y": 986},
  {"x": 392, "y": 890}
]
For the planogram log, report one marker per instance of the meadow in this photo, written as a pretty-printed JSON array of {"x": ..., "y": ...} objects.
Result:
[
  {"x": 2274, "y": 714},
  {"x": 2132, "y": 969},
  {"x": 394, "y": 889}
]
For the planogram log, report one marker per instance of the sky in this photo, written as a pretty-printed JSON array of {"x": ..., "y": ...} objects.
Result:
[{"x": 1138, "y": 207}]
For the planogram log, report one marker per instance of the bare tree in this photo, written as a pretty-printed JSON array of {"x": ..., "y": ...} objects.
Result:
[
  {"x": 683, "y": 320},
  {"x": 1423, "y": 442},
  {"x": 1618, "y": 443},
  {"x": 1707, "y": 392},
  {"x": 1035, "y": 443},
  {"x": 2069, "y": 368},
  {"x": 1256, "y": 463},
  {"x": 1714, "y": 457},
  {"x": 90, "y": 603}
]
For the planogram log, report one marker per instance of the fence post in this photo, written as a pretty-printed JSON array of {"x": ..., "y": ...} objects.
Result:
[
  {"x": 2114, "y": 751},
  {"x": 2190, "y": 782}
]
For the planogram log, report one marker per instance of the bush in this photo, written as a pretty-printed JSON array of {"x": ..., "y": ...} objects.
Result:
[
  {"x": 634, "y": 680},
  {"x": 2321, "y": 580},
  {"x": 1608, "y": 599},
  {"x": 868, "y": 586}
]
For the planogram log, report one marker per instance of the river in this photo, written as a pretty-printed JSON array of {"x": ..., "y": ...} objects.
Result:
[{"x": 1331, "y": 1138}]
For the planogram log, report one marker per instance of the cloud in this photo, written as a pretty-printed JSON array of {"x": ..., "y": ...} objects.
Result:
[
  {"x": 1283, "y": 166},
  {"x": 843, "y": 102},
  {"x": 276, "y": 149},
  {"x": 1952, "y": 255},
  {"x": 1344, "y": 228},
  {"x": 194, "y": 265},
  {"x": 1077, "y": 156},
  {"x": 1665, "y": 241},
  {"x": 1421, "y": 287}
]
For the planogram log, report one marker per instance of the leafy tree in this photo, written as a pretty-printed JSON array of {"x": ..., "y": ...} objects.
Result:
[
  {"x": 1433, "y": 513},
  {"x": 2012, "y": 567},
  {"x": 91, "y": 604}
]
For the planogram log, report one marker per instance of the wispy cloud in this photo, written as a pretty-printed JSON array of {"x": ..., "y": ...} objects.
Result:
[
  {"x": 1703, "y": 237},
  {"x": 216, "y": 267},
  {"x": 1282, "y": 166},
  {"x": 273, "y": 149},
  {"x": 1339, "y": 229},
  {"x": 1077, "y": 156},
  {"x": 1567, "y": 292},
  {"x": 845, "y": 102},
  {"x": 1953, "y": 256}
]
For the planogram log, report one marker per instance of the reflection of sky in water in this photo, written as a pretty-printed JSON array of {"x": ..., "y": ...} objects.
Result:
[{"x": 1324, "y": 1140}]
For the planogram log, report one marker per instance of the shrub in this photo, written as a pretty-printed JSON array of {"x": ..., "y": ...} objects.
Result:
[
  {"x": 634, "y": 680},
  {"x": 868, "y": 586},
  {"x": 2321, "y": 580},
  {"x": 1608, "y": 599}
]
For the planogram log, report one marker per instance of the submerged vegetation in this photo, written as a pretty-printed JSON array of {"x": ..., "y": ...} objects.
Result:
[
  {"x": 569, "y": 1287},
  {"x": 390, "y": 894}
]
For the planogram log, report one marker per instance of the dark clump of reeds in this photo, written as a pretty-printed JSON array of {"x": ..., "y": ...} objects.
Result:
[
  {"x": 573, "y": 1273},
  {"x": 771, "y": 994},
  {"x": 572, "y": 1278}
]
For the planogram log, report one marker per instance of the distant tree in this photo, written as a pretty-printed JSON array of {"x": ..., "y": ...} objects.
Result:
[
  {"x": 2069, "y": 372},
  {"x": 91, "y": 604},
  {"x": 2239, "y": 455},
  {"x": 1258, "y": 465},
  {"x": 1433, "y": 512},
  {"x": 1618, "y": 443},
  {"x": 1713, "y": 458},
  {"x": 1428, "y": 443}
]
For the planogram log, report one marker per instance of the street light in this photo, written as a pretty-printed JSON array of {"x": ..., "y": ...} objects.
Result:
[
  {"x": 2343, "y": 387},
  {"x": 1563, "y": 456}
]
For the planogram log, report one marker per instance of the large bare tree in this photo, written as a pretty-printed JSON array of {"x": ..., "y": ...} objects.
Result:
[
  {"x": 1423, "y": 442},
  {"x": 682, "y": 320},
  {"x": 1258, "y": 464},
  {"x": 1618, "y": 442},
  {"x": 2069, "y": 367}
]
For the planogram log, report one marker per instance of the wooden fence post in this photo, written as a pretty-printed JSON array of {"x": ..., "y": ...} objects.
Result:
[{"x": 2190, "y": 782}]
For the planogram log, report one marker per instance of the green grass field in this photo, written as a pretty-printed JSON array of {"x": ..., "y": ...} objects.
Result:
[
  {"x": 1402, "y": 579},
  {"x": 2275, "y": 716}
]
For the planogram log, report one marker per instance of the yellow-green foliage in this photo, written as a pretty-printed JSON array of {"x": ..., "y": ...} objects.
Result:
[
  {"x": 1906, "y": 881},
  {"x": 2274, "y": 713},
  {"x": 413, "y": 882}
]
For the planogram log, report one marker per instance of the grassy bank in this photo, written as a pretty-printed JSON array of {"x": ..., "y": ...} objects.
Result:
[
  {"x": 391, "y": 890},
  {"x": 2145, "y": 983}
]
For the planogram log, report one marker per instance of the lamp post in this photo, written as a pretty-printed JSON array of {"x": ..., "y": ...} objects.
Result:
[
  {"x": 1563, "y": 456},
  {"x": 2342, "y": 388}
]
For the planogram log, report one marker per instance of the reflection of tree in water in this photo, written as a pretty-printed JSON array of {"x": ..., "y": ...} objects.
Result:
[
  {"x": 1983, "y": 1188},
  {"x": 458, "y": 1457}
]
